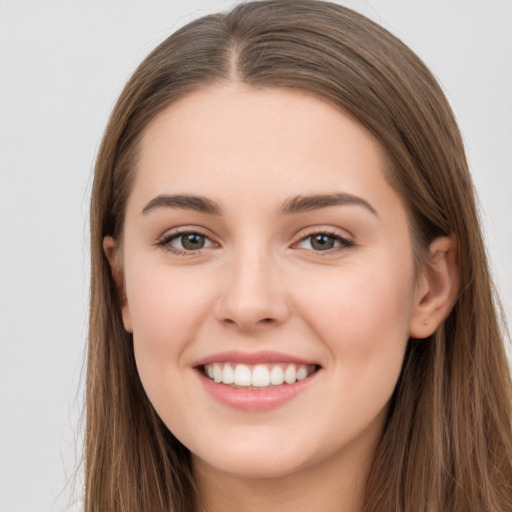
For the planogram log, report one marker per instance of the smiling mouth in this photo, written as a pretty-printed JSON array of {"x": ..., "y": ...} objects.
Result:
[{"x": 259, "y": 376}]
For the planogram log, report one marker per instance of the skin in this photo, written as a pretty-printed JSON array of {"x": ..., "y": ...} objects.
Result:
[{"x": 259, "y": 284}]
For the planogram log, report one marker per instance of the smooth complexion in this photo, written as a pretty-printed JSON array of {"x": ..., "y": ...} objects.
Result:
[{"x": 222, "y": 259}]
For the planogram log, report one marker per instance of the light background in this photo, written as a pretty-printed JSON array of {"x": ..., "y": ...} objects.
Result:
[{"x": 62, "y": 65}]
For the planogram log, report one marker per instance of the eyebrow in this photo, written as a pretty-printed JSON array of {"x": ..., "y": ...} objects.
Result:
[
  {"x": 297, "y": 204},
  {"x": 184, "y": 202},
  {"x": 301, "y": 204}
]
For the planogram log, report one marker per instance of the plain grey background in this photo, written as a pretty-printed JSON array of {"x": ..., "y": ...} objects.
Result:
[{"x": 62, "y": 65}]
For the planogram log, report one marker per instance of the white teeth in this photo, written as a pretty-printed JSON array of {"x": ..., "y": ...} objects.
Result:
[
  {"x": 243, "y": 375},
  {"x": 302, "y": 373},
  {"x": 290, "y": 374},
  {"x": 276, "y": 376},
  {"x": 217, "y": 372},
  {"x": 260, "y": 375},
  {"x": 228, "y": 375}
]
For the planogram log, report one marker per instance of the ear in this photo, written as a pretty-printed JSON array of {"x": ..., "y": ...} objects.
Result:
[
  {"x": 437, "y": 288},
  {"x": 112, "y": 252}
]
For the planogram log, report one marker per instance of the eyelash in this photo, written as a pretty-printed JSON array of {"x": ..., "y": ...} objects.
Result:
[
  {"x": 344, "y": 243},
  {"x": 165, "y": 242}
]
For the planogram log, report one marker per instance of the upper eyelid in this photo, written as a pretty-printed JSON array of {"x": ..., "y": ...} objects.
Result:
[
  {"x": 328, "y": 230},
  {"x": 183, "y": 230},
  {"x": 324, "y": 232}
]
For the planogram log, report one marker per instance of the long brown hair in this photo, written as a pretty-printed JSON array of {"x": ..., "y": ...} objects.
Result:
[{"x": 447, "y": 443}]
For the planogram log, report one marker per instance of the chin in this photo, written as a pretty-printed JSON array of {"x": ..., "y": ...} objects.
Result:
[{"x": 258, "y": 460}]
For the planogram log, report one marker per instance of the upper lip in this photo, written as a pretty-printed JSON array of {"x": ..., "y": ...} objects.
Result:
[{"x": 262, "y": 357}]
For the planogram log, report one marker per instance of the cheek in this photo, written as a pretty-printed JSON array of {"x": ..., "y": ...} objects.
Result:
[
  {"x": 362, "y": 314},
  {"x": 167, "y": 309},
  {"x": 362, "y": 318},
  {"x": 162, "y": 300}
]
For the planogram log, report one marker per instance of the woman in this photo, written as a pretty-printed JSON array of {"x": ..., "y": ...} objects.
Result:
[{"x": 290, "y": 304}]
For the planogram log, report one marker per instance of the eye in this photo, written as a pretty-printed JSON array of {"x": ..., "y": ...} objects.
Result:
[
  {"x": 324, "y": 242},
  {"x": 185, "y": 242}
]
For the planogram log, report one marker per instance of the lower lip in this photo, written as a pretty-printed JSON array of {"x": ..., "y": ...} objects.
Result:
[{"x": 255, "y": 399}]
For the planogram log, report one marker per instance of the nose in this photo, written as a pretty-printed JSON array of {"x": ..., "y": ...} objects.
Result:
[{"x": 252, "y": 295}]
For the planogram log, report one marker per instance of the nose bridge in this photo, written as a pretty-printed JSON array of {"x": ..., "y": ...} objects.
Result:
[{"x": 251, "y": 296}]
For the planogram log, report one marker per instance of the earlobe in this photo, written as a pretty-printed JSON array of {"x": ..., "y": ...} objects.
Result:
[
  {"x": 112, "y": 252},
  {"x": 437, "y": 288}
]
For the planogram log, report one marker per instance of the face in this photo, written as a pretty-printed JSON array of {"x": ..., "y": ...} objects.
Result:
[{"x": 269, "y": 280}]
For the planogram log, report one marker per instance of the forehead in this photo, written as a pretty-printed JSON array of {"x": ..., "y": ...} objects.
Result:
[{"x": 258, "y": 143}]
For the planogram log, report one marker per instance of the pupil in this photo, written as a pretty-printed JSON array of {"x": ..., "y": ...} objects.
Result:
[
  {"x": 322, "y": 242},
  {"x": 192, "y": 241}
]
